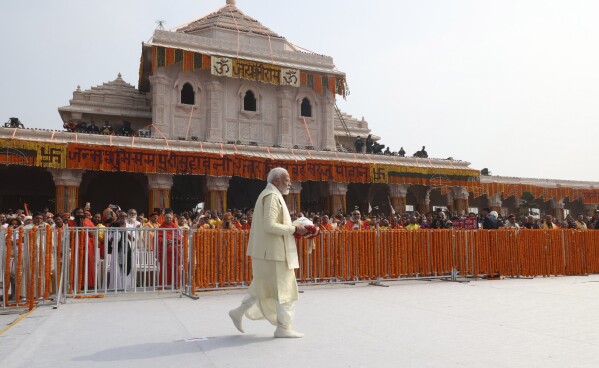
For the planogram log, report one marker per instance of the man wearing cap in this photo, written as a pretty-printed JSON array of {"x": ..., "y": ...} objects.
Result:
[{"x": 273, "y": 290}]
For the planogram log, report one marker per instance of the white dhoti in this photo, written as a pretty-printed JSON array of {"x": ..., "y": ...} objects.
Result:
[{"x": 272, "y": 293}]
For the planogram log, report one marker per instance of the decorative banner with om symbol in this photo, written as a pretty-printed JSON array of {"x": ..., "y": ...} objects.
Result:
[
  {"x": 222, "y": 66},
  {"x": 290, "y": 77}
]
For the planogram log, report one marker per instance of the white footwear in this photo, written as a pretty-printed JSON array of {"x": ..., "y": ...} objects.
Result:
[
  {"x": 237, "y": 317},
  {"x": 281, "y": 332}
]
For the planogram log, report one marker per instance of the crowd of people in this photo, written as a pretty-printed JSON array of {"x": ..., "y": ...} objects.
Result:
[
  {"x": 238, "y": 219},
  {"x": 92, "y": 128}
]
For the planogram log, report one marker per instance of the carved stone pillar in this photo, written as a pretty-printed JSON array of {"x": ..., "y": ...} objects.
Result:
[
  {"x": 67, "y": 183},
  {"x": 217, "y": 187},
  {"x": 293, "y": 198},
  {"x": 460, "y": 200},
  {"x": 214, "y": 121},
  {"x": 162, "y": 116},
  {"x": 159, "y": 191},
  {"x": 557, "y": 207},
  {"x": 327, "y": 140},
  {"x": 337, "y": 199},
  {"x": 495, "y": 203},
  {"x": 398, "y": 194},
  {"x": 284, "y": 106}
]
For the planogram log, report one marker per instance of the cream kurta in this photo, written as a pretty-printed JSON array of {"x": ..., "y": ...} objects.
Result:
[{"x": 274, "y": 258}]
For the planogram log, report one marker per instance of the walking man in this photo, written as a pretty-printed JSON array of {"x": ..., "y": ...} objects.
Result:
[{"x": 273, "y": 290}]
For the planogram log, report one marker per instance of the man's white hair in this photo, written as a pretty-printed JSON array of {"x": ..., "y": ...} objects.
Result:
[{"x": 276, "y": 173}]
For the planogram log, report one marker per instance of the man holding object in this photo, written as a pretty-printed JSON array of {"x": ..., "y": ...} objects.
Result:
[{"x": 273, "y": 290}]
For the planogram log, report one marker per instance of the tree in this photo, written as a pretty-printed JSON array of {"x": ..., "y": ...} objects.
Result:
[{"x": 527, "y": 202}]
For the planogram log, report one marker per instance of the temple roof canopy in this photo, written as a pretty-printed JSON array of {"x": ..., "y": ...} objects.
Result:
[{"x": 228, "y": 17}]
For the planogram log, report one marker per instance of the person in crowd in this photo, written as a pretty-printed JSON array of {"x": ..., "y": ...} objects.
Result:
[
  {"x": 358, "y": 144},
  {"x": 548, "y": 223},
  {"x": 440, "y": 221},
  {"x": 153, "y": 221},
  {"x": 97, "y": 221},
  {"x": 244, "y": 223},
  {"x": 325, "y": 224},
  {"x": 316, "y": 220},
  {"x": 339, "y": 222},
  {"x": 58, "y": 223},
  {"x": 204, "y": 223},
  {"x": 87, "y": 250},
  {"x": 580, "y": 223},
  {"x": 107, "y": 128},
  {"x": 182, "y": 223},
  {"x": 531, "y": 223},
  {"x": 126, "y": 129},
  {"x": 413, "y": 225},
  {"x": 132, "y": 219},
  {"x": 227, "y": 223},
  {"x": 66, "y": 217},
  {"x": 214, "y": 220},
  {"x": 15, "y": 223},
  {"x": 169, "y": 251},
  {"x": 489, "y": 219},
  {"x": 384, "y": 224},
  {"x": 369, "y": 144},
  {"x": 27, "y": 221},
  {"x": 93, "y": 128},
  {"x": 569, "y": 222},
  {"x": 355, "y": 222},
  {"x": 511, "y": 222},
  {"x": 120, "y": 240}
]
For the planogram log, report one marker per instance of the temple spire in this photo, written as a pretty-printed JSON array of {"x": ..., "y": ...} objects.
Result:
[{"x": 231, "y": 2}]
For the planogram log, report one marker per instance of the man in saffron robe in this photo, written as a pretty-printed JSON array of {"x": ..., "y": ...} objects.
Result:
[
  {"x": 87, "y": 248},
  {"x": 273, "y": 290},
  {"x": 355, "y": 222},
  {"x": 168, "y": 250}
]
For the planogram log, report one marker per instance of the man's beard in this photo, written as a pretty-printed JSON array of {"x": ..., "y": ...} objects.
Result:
[{"x": 283, "y": 190}]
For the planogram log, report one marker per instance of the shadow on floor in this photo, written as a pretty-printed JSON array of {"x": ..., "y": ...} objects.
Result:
[{"x": 162, "y": 349}]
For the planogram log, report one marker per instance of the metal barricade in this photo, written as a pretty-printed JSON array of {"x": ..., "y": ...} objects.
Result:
[
  {"x": 121, "y": 259},
  {"x": 28, "y": 266},
  {"x": 43, "y": 265}
]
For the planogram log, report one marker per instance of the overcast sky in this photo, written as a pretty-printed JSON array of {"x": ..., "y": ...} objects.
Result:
[{"x": 508, "y": 85}]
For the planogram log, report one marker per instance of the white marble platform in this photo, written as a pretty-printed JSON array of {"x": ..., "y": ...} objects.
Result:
[{"x": 542, "y": 322}]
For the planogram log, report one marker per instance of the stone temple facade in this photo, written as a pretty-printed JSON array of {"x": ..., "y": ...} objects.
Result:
[{"x": 220, "y": 100}]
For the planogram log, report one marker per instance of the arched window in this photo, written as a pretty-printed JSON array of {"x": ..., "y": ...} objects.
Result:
[
  {"x": 187, "y": 95},
  {"x": 306, "y": 108},
  {"x": 249, "y": 101}
]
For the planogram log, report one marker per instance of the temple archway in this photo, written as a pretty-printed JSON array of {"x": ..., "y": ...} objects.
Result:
[
  {"x": 187, "y": 192},
  {"x": 314, "y": 196},
  {"x": 127, "y": 190},
  {"x": 243, "y": 193},
  {"x": 24, "y": 184}
]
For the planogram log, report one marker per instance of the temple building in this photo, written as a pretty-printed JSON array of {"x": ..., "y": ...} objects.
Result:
[{"x": 220, "y": 101}]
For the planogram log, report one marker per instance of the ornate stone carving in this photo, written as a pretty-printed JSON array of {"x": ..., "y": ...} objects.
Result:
[
  {"x": 217, "y": 183},
  {"x": 160, "y": 181},
  {"x": 296, "y": 187},
  {"x": 337, "y": 188},
  {"x": 66, "y": 177},
  {"x": 398, "y": 190}
]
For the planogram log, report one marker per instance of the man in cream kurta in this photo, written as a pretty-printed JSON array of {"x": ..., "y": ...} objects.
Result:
[{"x": 273, "y": 290}]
